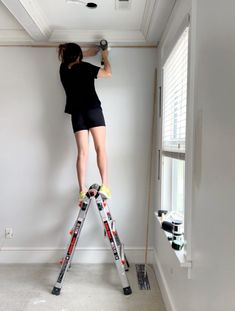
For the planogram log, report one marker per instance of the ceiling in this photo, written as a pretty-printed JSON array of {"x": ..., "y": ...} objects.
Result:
[{"x": 47, "y": 22}]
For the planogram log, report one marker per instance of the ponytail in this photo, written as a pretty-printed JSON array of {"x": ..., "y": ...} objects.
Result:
[
  {"x": 61, "y": 49},
  {"x": 69, "y": 53}
]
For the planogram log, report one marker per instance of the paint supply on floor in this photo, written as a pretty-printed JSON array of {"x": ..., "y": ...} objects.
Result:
[{"x": 142, "y": 277}]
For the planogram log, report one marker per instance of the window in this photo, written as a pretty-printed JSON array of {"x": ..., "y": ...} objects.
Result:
[{"x": 174, "y": 109}]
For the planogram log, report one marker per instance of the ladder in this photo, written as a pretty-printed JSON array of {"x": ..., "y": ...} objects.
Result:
[{"x": 110, "y": 232}]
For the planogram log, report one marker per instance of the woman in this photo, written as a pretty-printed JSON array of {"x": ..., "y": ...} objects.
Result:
[{"x": 83, "y": 104}]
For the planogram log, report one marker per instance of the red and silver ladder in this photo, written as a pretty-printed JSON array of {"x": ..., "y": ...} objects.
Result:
[{"x": 110, "y": 232}]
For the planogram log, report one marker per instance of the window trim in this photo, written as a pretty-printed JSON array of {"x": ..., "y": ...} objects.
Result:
[
  {"x": 166, "y": 49},
  {"x": 165, "y": 151},
  {"x": 189, "y": 143}
]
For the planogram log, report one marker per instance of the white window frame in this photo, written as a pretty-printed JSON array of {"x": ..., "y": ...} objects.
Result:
[
  {"x": 170, "y": 151},
  {"x": 166, "y": 49}
]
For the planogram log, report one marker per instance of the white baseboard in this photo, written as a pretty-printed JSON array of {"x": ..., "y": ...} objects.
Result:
[
  {"x": 82, "y": 255},
  {"x": 163, "y": 284}
]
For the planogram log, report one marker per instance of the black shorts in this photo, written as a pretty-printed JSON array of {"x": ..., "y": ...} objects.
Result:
[{"x": 84, "y": 120}]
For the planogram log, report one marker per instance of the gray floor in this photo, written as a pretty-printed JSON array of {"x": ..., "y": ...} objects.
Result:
[{"x": 86, "y": 288}]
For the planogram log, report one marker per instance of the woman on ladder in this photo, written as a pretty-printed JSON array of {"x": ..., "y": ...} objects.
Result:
[{"x": 78, "y": 79}]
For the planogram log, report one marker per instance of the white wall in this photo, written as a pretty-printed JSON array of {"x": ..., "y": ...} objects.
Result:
[
  {"x": 212, "y": 284},
  {"x": 37, "y": 159}
]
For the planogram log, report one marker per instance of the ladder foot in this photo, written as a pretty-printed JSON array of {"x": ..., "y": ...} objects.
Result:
[
  {"x": 56, "y": 291},
  {"x": 127, "y": 290}
]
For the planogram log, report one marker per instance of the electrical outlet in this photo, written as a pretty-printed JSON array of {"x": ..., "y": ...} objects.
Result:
[{"x": 8, "y": 233}]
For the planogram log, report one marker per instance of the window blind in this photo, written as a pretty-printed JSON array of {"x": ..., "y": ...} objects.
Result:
[{"x": 175, "y": 72}]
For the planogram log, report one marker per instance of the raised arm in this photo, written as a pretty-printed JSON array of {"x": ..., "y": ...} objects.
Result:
[
  {"x": 106, "y": 71},
  {"x": 90, "y": 52}
]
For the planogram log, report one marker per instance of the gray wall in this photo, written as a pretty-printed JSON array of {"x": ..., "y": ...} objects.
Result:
[
  {"x": 38, "y": 179},
  {"x": 211, "y": 286}
]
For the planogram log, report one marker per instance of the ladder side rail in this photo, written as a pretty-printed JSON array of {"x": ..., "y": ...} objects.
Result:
[
  {"x": 72, "y": 245},
  {"x": 116, "y": 236},
  {"x": 82, "y": 214},
  {"x": 115, "y": 249}
]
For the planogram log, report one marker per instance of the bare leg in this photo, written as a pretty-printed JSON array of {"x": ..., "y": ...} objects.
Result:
[
  {"x": 99, "y": 136},
  {"x": 82, "y": 145}
]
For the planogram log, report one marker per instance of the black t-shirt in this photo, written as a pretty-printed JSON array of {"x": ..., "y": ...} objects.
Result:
[{"x": 79, "y": 86}]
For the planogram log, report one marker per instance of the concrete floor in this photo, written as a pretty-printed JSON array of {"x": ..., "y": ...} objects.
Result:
[{"x": 86, "y": 288}]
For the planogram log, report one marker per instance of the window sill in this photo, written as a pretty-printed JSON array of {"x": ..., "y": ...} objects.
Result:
[{"x": 180, "y": 255}]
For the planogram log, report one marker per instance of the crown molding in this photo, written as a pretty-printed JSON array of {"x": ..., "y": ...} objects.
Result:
[
  {"x": 156, "y": 15},
  {"x": 14, "y": 36},
  {"x": 148, "y": 11},
  {"x": 85, "y": 38},
  {"x": 91, "y": 36},
  {"x": 30, "y": 16}
]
